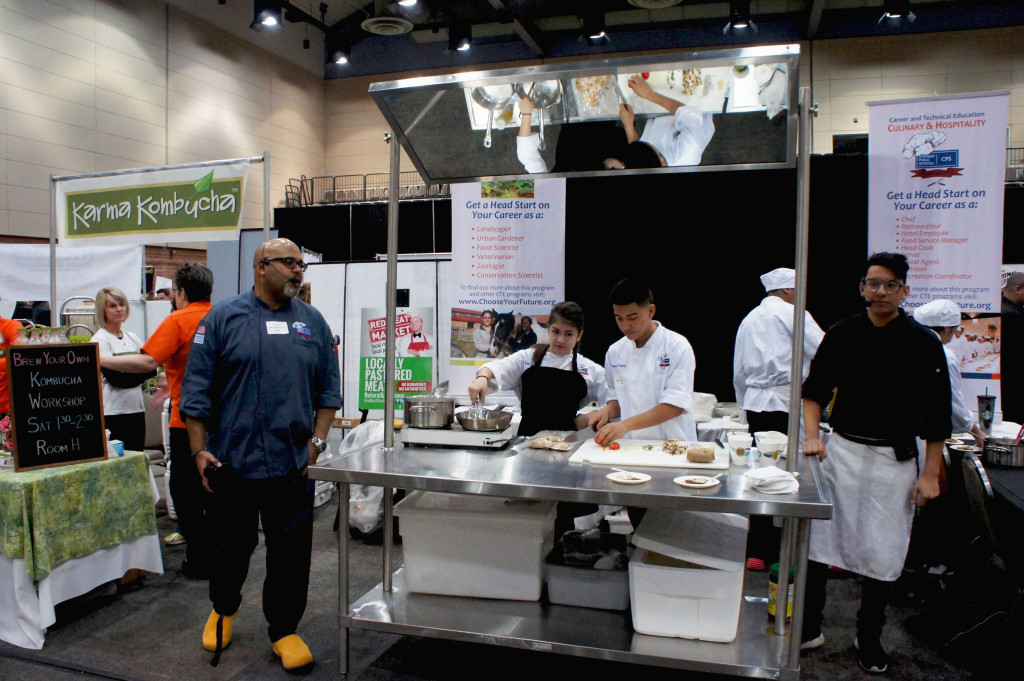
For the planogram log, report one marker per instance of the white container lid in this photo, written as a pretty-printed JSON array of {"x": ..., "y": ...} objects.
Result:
[
  {"x": 716, "y": 540},
  {"x": 444, "y": 506}
]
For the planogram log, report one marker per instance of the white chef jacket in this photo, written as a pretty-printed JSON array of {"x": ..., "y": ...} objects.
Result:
[
  {"x": 682, "y": 137},
  {"x": 659, "y": 372},
  {"x": 959, "y": 348},
  {"x": 528, "y": 153},
  {"x": 963, "y": 419},
  {"x": 119, "y": 400},
  {"x": 764, "y": 351},
  {"x": 508, "y": 373}
]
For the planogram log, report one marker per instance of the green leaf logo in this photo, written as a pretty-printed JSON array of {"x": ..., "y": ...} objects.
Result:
[{"x": 204, "y": 183}]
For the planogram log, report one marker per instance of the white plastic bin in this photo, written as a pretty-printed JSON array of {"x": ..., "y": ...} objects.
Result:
[
  {"x": 686, "y": 577},
  {"x": 469, "y": 545}
]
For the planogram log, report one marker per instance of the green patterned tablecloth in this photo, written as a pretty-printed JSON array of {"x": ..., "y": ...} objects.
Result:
[{"x": 51, "y": 515}]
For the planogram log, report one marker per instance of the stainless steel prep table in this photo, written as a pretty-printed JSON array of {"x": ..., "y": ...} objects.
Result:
[{"x": 540, "y": 474}]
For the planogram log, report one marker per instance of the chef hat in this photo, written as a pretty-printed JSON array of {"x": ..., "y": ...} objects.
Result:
[
  {"x": 939, "y": 312},
  {"x": 781, "y": 277}
]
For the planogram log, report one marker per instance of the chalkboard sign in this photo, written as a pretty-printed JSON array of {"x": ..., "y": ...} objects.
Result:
[{"x": 56, "y": 404}]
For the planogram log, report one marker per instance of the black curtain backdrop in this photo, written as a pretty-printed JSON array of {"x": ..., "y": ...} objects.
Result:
[{"x": 701, "y": 239}]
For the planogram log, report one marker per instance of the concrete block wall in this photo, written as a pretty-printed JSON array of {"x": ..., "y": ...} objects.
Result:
[{"x": 92, "y": 85}]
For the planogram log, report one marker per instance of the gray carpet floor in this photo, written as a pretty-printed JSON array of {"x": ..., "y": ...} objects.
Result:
[{"x": 149, "y": 629}]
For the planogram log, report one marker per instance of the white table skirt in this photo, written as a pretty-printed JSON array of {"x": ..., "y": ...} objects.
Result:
[
  {"x": 33, "y": 609},
  {"x": 26, "y": 609}
]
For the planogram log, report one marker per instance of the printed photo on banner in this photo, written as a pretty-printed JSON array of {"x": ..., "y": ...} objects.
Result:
[
  {"x": 415, "y": 352},
  {"x": 488, "y": 334}
]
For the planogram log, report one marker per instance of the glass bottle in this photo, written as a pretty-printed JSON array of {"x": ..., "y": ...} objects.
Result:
[
  {"x": 22, "y": 337},
  {"x": 34, "y": 337},
  {"x": 59, "y": 335},
  {"x": 45, "y": 335}
]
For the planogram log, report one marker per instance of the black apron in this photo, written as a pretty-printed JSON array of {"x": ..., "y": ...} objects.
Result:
[{"x": 551, "y": 397}]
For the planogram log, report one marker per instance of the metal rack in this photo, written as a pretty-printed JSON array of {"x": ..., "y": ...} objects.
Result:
[
  {"x": 389, "y": 607},
  {"x": 332, "y": 189}
]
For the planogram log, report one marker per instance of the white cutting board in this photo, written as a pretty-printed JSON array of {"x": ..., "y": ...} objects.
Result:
[{"x": 632, "y": 453}]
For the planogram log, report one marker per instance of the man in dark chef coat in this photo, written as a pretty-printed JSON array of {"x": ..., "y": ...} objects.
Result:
[
  {"x": 1011, "y": 349},
  {"x": 892, "y": 386},
  {"x": 260, "y": 394}
]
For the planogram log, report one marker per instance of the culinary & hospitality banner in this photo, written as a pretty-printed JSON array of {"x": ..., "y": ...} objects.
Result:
[
  {"x": 935, "y": 194},
  {"x": 508, "y": 262},
  {"x": 202, "y": 203}
]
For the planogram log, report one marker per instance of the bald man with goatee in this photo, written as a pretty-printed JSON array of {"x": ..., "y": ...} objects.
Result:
[{"x": 260, "y": 393}]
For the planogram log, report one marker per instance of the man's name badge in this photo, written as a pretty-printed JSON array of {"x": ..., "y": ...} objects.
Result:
[{"x": 277, "y": 328}]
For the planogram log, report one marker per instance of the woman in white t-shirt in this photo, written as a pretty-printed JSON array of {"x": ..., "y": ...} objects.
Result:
[{"x": 124, "y": 412}]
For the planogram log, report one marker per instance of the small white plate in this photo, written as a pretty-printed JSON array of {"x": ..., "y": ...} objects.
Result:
[
  {"x": 628, "y": 478},
  {"x": 708, "y": 481}
]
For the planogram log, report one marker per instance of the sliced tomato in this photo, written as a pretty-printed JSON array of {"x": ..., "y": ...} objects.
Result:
[{"x": 614, "y": 445}]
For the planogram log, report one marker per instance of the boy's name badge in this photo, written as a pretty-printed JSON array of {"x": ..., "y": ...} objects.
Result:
[{"x": 277, "y": 327}]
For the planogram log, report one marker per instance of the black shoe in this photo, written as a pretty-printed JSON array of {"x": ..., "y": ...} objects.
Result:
[
  {"x": 871, "y": 656},
  {"x": 194, "y": 570}
]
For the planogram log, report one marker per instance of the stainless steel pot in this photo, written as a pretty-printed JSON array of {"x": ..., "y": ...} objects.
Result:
[
  {"x": 543, "y": 93},
  {"x": 487, "y": 421},
  {"x": 493, "y": 98},
  {"x": 1001, "y": 451},
  {"x": 429, "y": 411}
]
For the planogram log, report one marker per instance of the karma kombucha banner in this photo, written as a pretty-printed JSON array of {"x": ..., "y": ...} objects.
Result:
[
  {"x": 935, "y": 194},
  {"x": 508, "y": 261},
  {"x": 201, "y": 203}
]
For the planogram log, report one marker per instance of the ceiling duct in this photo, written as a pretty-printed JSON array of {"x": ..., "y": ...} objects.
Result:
[
  {"x": 383, "y": 23},
  {"x": 654, "y": 4}
]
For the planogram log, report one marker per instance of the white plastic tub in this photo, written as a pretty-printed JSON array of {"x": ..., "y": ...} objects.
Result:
[
  {"x": 686, "y": 577},
  {"x": 468, "y": 545}
]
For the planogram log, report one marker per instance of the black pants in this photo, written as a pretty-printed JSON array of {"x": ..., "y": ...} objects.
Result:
[
  {"x": 874, "y": 595},
  {"x": 764, "y": 538},
  {"x": 285, "y": 506},
  {"x": 128, "y": 428},
  {"x": 189, "y": 502}
]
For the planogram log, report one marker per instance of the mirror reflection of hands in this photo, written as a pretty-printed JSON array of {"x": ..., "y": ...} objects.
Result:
[{"x": 642, "y": 88}]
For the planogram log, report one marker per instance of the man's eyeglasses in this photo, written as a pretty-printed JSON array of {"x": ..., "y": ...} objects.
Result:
[
  {"x": 290, "y": 263},
  {"x": 176, "y": 290},
  {"x": 890, "y": 285}
]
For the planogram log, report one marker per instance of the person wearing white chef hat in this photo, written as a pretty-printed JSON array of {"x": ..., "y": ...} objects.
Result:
[
  {"x": 943, "y": 318},
  {"x": 761, "y": 379},
  {"x": 764, "y": 350}
]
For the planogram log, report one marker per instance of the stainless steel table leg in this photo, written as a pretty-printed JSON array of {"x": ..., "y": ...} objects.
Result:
[
  {"x": 389, "y": 528},
  {"x": 343, "y": 579},
  {"x": 803, "y": 539}
]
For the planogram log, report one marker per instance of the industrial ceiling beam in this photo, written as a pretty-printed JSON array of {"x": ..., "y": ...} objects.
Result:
[
  {"x": 524, "y": 28},
  {"x": 814, "y": 19}
]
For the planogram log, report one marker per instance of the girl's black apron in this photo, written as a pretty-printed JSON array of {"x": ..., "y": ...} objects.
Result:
[{"x": 551, "y": 397}]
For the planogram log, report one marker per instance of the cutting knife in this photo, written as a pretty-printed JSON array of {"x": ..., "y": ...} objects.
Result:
[
  {"x": 618, "y": 90},
  {"x": 725, "y": 102}
]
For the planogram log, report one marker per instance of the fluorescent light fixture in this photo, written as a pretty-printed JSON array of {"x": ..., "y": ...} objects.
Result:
[
  {"x": 460, "y": 37},
  {"x": 265, "y": 14}
]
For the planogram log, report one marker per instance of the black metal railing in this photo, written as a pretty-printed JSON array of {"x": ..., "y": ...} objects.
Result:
[
  {"x": 1015, "y": 164},
  {"x": 328, "y": 189}
]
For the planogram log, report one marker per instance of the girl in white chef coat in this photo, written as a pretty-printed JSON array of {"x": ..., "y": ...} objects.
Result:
[
  {"x": 552, "y": 381},
  {"x": 649, "y": 374}
]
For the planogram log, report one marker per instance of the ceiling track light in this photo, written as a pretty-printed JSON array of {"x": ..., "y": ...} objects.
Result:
[
  {"x": 338, "y": 49},
  {"x": 460, "y": 37},
  {"x": 594, "y": 28},
  {"x": 895, "y": 10},
  {"x": 739, "y": 16},
  {"x": 265, "y": 14}
]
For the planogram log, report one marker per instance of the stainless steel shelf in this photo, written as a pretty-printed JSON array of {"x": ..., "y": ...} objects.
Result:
[{"x": 602, "y": 634}]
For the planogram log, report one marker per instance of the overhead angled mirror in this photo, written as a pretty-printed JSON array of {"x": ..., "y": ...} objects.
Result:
[{"x": 694, "y": 111}]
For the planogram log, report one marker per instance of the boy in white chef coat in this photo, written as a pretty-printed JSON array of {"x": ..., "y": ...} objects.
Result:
[{"x": 649, "y": 374}]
